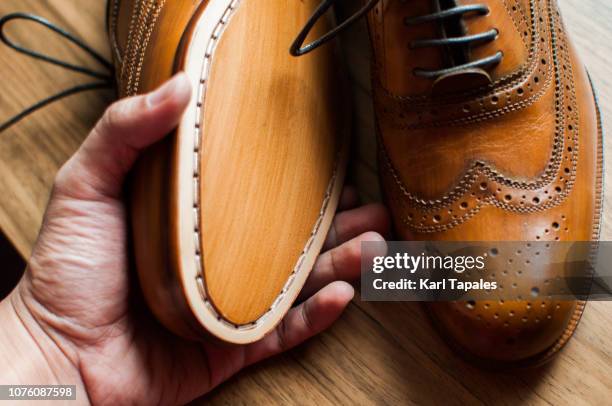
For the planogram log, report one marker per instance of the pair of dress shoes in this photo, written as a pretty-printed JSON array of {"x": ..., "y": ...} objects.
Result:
[{"x": 487, "y": 130}]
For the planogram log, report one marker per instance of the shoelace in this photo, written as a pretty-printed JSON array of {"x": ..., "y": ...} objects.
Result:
[
  {"x": 104, "y": 80},
  {"x": 298, "y": 48}
]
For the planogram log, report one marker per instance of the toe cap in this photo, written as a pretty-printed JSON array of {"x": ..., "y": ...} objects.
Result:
[{"x": 507, "y": 333}]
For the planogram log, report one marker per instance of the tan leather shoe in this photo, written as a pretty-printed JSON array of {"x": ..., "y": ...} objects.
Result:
[
  {"x": 488, "y": 131},
  {"x": 231, "y": 211}
]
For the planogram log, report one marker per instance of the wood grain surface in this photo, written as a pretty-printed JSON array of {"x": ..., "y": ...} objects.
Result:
[
  {"x": 32, "y": 151},
  {"x": 378, "y": 353}
]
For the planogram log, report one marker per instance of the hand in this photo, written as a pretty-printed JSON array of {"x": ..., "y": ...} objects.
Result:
[{"x": 77, "y": 304}]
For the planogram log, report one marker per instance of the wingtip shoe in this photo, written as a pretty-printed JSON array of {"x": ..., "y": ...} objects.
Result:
[
  {"x": 229, "y": 213},
  {"x": 488, "y": 131}
]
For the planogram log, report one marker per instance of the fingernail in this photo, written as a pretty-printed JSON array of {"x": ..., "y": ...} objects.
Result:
[
  {"x": 377, "y": 245},
  {"x": 345, "y": 290},
  {"x": 167, "y": 90}
]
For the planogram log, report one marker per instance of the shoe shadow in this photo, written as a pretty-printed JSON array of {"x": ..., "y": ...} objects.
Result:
[{"x": 448, "y": 378}]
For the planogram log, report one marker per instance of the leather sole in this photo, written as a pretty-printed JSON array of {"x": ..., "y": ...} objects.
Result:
[{"x": 171, "y": 263}]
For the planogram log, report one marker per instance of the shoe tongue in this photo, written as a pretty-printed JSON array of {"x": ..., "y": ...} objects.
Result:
[
  {"x": 461, "y": 81},
  {"x": 453, "y": 28},
  {"x": 464, "y": 79}
]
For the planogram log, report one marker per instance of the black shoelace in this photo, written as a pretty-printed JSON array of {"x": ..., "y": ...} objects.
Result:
[
  {"x": 456, "y": 42},
  {"x": 104, "y": 80}
]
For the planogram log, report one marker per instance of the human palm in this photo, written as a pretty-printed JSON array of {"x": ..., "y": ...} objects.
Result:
[{"x": 79, "y": 293}]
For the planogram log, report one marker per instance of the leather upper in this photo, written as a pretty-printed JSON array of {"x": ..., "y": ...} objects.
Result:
[{"x": 515, "y": 160}]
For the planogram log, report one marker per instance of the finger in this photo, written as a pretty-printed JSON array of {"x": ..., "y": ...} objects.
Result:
[
  {"x": 349, "y": 198},
  {"x": 100, "y": 165},
  {"x": 303, "y": 322},
  {"x": 342, "y": 263},
  {"x": 349, "y": 224}
]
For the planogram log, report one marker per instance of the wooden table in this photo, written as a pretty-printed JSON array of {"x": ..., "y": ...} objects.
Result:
[{"x": 377, "y": 352}]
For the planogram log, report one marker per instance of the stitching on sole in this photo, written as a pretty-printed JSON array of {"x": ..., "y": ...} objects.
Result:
[{"x": 200, "y": 280}]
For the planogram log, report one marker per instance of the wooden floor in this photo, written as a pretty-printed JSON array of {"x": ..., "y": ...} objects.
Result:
[{"x": 377, "y": 353}]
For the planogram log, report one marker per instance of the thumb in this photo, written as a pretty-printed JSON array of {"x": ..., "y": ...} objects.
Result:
[{"x": 100, "y": 165}]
